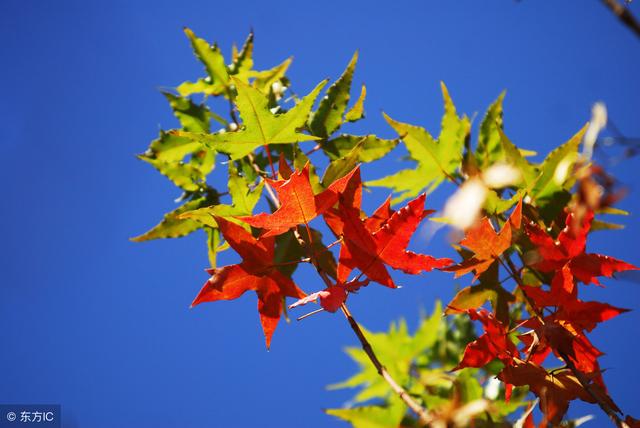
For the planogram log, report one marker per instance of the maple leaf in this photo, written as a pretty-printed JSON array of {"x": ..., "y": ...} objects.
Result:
[
  {"x": 298, "y": 204},
  {"x": 260, "y": 126},
  {"x": 329, "y": 116},
  {"x": 569, "y": 249},
  {"x": 370, "y": 251},
  {"x": 563, "y": 330},
  {"x": 218, "y": 81},
  {"x": 436, "y": 159},
  {"x": 493, "y": 343},
  {"x": 554, "y": 390},
  {"x": 490, "y": 289},
  {"x": 331, "y": 298},
  {"x": 256, "y": 272},
  {"x": 487, "y": 244},
  {"x": 571, "y": 310}
]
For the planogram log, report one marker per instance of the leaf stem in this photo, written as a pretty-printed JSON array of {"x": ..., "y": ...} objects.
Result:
[{"x": 273, "y": 170}]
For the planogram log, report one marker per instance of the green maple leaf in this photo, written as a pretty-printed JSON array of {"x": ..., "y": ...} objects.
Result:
[
  {"x": 260, "y": 126},
  {"x": 218, "y": 80},
  {"x": 357, "y": 111},
  {"x": 173, "y": 225},
  {"x": 373, "y": 148},
  {"x": 244, "y": 198},
  {"x": 329, "y": 116},
  {"x": 436, "y": 159},
  {"x": 181, "y": 160},
  {"x": 489, "y": 149},
  {"x": 562, "y": 157}
]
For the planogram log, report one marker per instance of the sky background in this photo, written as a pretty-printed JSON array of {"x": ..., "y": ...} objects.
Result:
[{"x": 102, "y": 326}]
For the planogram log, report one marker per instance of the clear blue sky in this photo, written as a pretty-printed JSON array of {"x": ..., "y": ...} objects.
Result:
[{"x": 102, "y": 326}]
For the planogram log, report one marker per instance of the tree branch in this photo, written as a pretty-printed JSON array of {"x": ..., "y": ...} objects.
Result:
[
  {"x": 420, "y": 411},
  {"x": 624, "y": 14}
]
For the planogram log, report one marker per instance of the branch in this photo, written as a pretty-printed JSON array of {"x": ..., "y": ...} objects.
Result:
[
  {"x": 420, "y": 411},
  {"x": 624, "y": 14}
]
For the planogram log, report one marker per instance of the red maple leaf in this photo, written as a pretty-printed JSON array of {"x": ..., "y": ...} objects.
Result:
[
  {"x": 563, "y": 330},
  {"x": 569, "y": 248},
  {"x": 554, "y": 390},
  {"x": 369, "y": 250},
  {"x": 493, "y": 343},
  {"x": 331, "y": 298},
  {"x": 256, "y": 272},
  {"x": 298, "y": 203},
  {"x": 487, "y": 244}
]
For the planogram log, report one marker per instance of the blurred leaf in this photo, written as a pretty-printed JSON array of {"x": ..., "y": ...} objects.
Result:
[
  {"x": 373, "y": 416},
  {"x": 396, "y": 349},
  {"x": 550, "y": 181},
  {"x": 603, "y": 225},
  {"x": 213, "y": 244}
]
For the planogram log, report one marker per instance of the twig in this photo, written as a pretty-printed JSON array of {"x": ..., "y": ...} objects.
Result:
[
  {"x": 624, "y": 14},
  {"x": 314, "y": 149},
  {"x": 420, "y": 411}
]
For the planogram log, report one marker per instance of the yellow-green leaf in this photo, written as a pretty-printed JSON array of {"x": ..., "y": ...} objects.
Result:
[
  {"x": 436, "y": 159},
  {"x": 172, "y": 225},
  {"x": 373, "y": 416},
  {"x": 489, "y": 150},
  {"x": 328, "y": 118},
  {"x": 340, "y": 167},
  {"x": 373, "y": 148},
  {"x": 260, "y": 125},
  {"x": 357, "y": 111},
  {"x": 213, "y": 61}
]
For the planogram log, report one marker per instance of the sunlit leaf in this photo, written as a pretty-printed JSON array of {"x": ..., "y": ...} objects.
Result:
[{"x": 260, "y": 126}]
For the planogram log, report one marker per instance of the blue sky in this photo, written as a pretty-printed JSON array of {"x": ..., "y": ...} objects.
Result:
[{"x": 101, "y": 325}]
